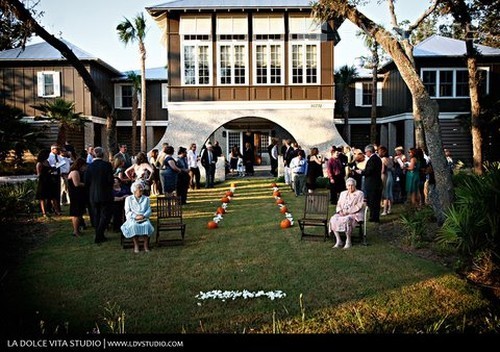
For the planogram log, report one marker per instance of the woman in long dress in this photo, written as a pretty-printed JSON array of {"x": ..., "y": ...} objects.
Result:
[
  {"x": 348, "y": 214},
  {"x": 137, "y": 213},
  {"x": 77, "y": 195}
]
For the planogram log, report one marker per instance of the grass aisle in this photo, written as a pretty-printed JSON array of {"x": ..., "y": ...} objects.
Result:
[{"x": 376, "y": 288}]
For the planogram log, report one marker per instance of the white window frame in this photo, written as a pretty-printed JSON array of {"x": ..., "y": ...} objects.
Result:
[
  {"x": 309, "y": 34},
  {"x": 438, "y": 70},
  {"x": 196, "y": 32},
  {"x": 272, "y": 30},
  {"x": 56, "y": 84},
  {"x": 164, "y": 95},
  {"x": 359, "y": 93},
  {"x": 119, "y": 96},
  {"x": 232, "y": 44}
]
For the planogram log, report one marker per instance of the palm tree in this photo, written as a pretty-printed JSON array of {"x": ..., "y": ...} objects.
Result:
[
  {"x": 136, "y": 88},
  {"x": 62, "y": 112},
  {"x": 129, "y": 32},
  {"x": 374, "y": 62},
  {"x": 344, "y": 77}
]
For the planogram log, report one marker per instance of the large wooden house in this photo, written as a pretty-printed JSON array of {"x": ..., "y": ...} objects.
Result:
[
  {"x": 246, "y": 71},
  {"x": 39, "y": 74}
]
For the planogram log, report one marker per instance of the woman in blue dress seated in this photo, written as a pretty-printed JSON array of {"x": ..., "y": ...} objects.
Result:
[{"x": 137, "y": 213}]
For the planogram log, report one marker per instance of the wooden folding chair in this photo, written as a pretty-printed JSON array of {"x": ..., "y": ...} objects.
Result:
[
  {"x": 362, "y": 225},
  {"x": 169, "y": 219},
  {"x": 315, "y": 214}
]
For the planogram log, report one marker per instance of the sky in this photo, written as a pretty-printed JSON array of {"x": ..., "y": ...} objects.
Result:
[{"x": 91, "y": 25}]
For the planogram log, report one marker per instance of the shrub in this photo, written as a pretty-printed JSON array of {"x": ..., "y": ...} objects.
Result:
[
  {"x": 17, "y": 199},
  {"x": 415, "y": 225},
  {"x": 472, "y": 223}
]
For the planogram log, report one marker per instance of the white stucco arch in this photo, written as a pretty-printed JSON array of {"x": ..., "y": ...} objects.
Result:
[{"x": 309, "y": 122}]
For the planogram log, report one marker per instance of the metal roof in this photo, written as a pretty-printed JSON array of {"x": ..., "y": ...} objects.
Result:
[
  {"x": 437, "y": 45},
  {"x": 45, "y": 52},
  {"x": 231, "y": 4}
]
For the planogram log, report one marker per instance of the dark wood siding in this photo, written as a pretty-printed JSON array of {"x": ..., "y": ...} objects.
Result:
[
  {"x": 18, "y": 85},
  {"x": 456, "y": 137},
  {"x": 154, "y": 110}
]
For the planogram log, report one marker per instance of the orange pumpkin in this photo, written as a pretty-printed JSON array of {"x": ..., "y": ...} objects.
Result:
[
  {"x": 280, "y": 201},
  {"x": 221, "y": 210},
  {"x": 274, "y": 184},
  {"x": 276, "y": 193},
  {"x": 233, "y": 185},
  {"x": 283, "y": 210},
  {"x": 225, "y": 200},
  {"x": 212, "y": 225},
  {"x": 285, "y": 224},
  {"x": 229, "y": 194}
]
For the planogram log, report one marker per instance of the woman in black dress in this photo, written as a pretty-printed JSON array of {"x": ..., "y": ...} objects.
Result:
[
  {"x": 77, "y": 195},
  {"x": 43, "y": 171},
  {"x": 314, "y": 169},
  {"x": 248, "y": 159}
]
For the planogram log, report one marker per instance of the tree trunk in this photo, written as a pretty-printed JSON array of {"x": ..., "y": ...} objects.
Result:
[
  {"x": 347, "y": 130},
  {"x": 24, "y": 15},
  {"x": 477, "y": 140},
  {"x": 142, "y": 50},
  {"x": 61, "y": 135},
  {"x": 423, "y": 106},
  {"x": 135, "y": 113},
  {"x": 373, "y": 113}
]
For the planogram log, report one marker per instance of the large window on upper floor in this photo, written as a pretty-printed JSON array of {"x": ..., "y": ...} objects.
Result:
[
  {"x": 304, "y": 44},
  {"x": 232, "y": 50},
  {"x": 268, "y": 49},
  {"x": 363, "y": 96},
  {"x": 124, "y": 93},
  {"x": 196, "y": 50},
  {"x": 452, "y": 82},
  {"x": 49, "y": 84}
]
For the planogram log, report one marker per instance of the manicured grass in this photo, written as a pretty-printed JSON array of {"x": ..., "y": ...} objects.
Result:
[{"x": 375, "y": 288}]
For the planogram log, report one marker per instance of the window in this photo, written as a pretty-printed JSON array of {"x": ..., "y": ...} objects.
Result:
[
  {"x": 196, "y": 44},
  {"x": 364, "y": 93},
  {"x": 268, "y": 49},
  {"x": 305, "y": 45},
  {"x": 48, "y": 84},
  {"x": 124, "y": 96},
  {"x": 232, "y": 49},
  {"x": 452, "y": 82}
]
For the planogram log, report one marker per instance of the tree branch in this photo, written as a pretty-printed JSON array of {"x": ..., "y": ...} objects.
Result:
[
  {"x": 423, "y": 16},
  {"x": 392, "y": 13}
]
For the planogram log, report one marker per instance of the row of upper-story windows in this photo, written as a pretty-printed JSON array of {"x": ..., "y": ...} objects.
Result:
[
  {"x": 452, "y": 82},
  {"x": 232, "y": 50}
]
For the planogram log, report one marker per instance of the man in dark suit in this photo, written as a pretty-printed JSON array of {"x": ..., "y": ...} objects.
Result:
[
  {"x": 99, "y": 180},
  {"x": 124, "y": 155},
  {"x": 208, "y": 161},
  {"x": 373, "y": 182}
]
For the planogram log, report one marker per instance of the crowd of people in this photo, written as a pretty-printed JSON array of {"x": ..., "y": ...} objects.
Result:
[{"x": 118, "y": 192}]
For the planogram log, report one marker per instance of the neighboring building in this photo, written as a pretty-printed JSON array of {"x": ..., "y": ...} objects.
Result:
[
  {"x": 245, "y": 71},
  {"x": 39, "y": 72},
  {"x": 441, "y": 63}
]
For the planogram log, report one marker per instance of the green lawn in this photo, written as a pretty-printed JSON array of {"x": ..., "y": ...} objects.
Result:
[{"x": 375, "y": 288}]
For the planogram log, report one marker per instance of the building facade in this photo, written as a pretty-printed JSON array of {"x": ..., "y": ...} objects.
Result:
[
  {"x": 246, "y": 71},
  {"x": 442, "y": 66}
]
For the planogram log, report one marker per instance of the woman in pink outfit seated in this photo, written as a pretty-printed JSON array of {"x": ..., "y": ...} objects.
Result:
[{"x": 349, "y": 213}]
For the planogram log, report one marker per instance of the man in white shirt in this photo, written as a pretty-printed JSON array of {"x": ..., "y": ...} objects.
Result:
[
  {"x": 55, "y": 179},
  {"x": 65, "y": 162},
  {"x": 298, "y": 167}
]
